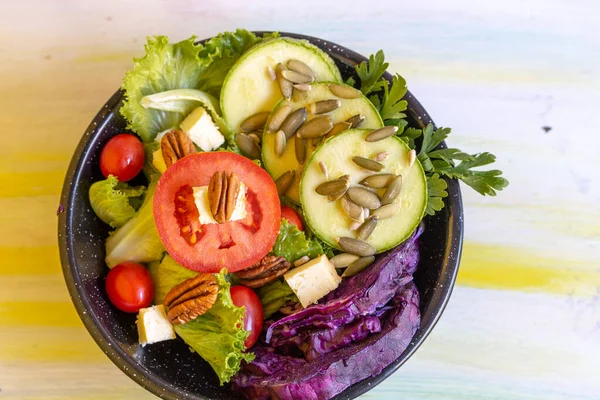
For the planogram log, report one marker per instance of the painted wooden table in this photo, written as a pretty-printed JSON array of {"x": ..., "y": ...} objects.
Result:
[{"x": 518, "y": 78}]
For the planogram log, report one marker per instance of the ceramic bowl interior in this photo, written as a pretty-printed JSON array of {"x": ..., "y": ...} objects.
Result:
[{"x": 169, "y": 369}]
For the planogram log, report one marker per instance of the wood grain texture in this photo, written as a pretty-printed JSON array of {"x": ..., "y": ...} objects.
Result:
[{"x": 524, "y": 320}]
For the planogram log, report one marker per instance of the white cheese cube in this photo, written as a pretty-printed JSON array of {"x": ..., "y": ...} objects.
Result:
[
  {"x": 201, "y": 130},
  {"x": 313, "y": 280},
  {"x": 153, "y": 325},
  {"x": 206, "y": 217}
]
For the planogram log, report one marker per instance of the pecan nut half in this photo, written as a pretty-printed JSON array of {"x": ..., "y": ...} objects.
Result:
[
  {"x": 175, "y": 145},
  {"x": 223, "y": 191},
  {"x": 191, "y": 298},
  {"x": 263, "y": 272}
]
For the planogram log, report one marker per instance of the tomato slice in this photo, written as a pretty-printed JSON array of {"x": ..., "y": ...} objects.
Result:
[{"x": 234, "y": 245}]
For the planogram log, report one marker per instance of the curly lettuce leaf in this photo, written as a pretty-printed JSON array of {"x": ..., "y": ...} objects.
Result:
[
  {"x": 293, "y": 244},
  {"x": 274, "y": 296},
  {"x": 218, "y": 335},
  {"x": 115, "y": 202},
  {"x": 137, "y": 240},
  {"x": 183, "y": 65},
  {"x": 165, "y": 66}
]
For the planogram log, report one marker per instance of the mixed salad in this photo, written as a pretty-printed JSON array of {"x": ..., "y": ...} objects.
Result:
[{"x": 277, "y": 232}]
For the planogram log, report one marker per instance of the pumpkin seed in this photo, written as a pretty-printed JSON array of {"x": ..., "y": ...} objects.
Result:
[
  {"x": 367, "y": 228},
  {"x": 278, "y": 116},
  {"x": 323, "y": 168},
  {"x": 300, "y": 148},
  {"x": 305, "y": 87},
  {"x": 386, "y": 211},
  {"x": 412, "y": 156},
  {"x": 300, "y": 67},
  {"x": 392, "y": 191},
  {"x": 381, "y": 133},
  {"x": 357, "y": 266},
  {"x": 254, "y": 122},
  {"x": 343, "y": 91},
  {"x": 271, "y": 73},
  {"x": 296, "y": 77},
  {"x": 356, "y": 246},
  {"x": 315, "y": 142},
  {"x": 364, "y": 198},
  {"x": 337, "y": 128},
  {"x": 254, "y": 137},
  {"x": 367, "y": 163},
  {"x": 332, "y": 187},
  {"x": 353, "y": 210},
  {"x": 285, "y": 86},
  {"x": 248, "y": 146},
  {"x": 316, "y": 127},
  {"x": 258, "y": 133},
  {"x": 284, "y": 182},
  {"x": 336, "y": 196},
  {"x": 302, "y": 260},
  {"x": 293, "y": 121},
  {"x": 384, "y": 155},
  {"x": 280, "y": 143},
  {"x": 378, "y": 181},
  {"x": 356, "y": 120},
  {"x": 342, "y": 260},
  {"x": 366, "y": 213},
  {"x": 324, "y": 106},
  {"x": 355, "y": 225},
  {"x": 299, "y": 95}
]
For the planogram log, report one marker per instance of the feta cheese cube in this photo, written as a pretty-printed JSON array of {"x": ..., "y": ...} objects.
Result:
[
  {"x": 206, "y": 217},
  {"x": 202, "y": 130},
  {"x": 313, "y": 280},
  {"x": 153, "y": 325}
]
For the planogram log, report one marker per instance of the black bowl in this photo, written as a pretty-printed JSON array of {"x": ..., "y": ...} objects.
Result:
[{"x": 169, "y": 369}]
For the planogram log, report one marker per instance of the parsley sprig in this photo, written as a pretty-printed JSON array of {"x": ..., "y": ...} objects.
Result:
[{"x": 437, "y": 162}]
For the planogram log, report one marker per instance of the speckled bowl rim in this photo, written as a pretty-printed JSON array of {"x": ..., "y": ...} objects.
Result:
[{"x": 165, "y": 389}]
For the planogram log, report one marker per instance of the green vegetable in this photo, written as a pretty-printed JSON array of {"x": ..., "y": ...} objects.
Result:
[
  {"x": 436, "y": 162},
  {"x": 274, "y": 296},
  {"x": 115, "y": 202},
  {"x": 218, "y": 335},
  {"x": 137, "y": 240},
  {"x": 166, "y": 274},
  {"x": 183, "y": 65},
  {"x": 292, "y": 244}
]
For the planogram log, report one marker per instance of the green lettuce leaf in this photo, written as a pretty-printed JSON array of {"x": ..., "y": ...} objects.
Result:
[
  {"x": 115, "y": 202},
  {"x": 274, "y": 296},
  {"x": 292, "y": 244},
  {"x": 164, "y": 67},
  {"x": 218, "y": 335},
  {"x": 137, "y": 240},
  {"x": 183, "y": 65}
]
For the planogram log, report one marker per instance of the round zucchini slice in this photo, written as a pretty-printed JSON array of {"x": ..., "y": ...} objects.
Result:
[{"x": 329, "y": 221}]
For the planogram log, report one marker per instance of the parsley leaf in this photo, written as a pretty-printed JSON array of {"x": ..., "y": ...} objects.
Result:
[
  {"x": 393, "y": 105},
  {"x": 370, "y": 73},
  {"x": 436, "y": 191}
]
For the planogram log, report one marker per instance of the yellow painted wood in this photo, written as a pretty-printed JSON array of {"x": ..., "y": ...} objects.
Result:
[{"x": 523, "y": 321}]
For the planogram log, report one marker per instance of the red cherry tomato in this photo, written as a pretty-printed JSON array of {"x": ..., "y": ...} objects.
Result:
[
  {"x": 292, "y": 216},
  {"x": 129, "y": 287},
  {"x": 244, "y": 296},
  {"x": 122, "y": 156}
]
